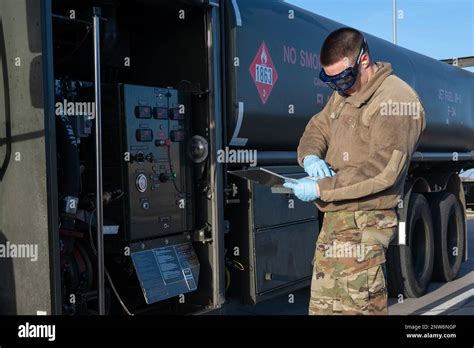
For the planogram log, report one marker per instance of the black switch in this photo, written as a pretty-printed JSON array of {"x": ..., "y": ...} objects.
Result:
[
  {"x": 150, "y": 157},
  {"x": 176, "y": 115},
  {"x": 177, "y": 135},
  {"x": 144, "y": 135},
  {"x": 160, "y": 113},
  {"x": 139, "y": 157},
  {"x": 164, "y": 177},
  {"x": 142, "y": 111}
]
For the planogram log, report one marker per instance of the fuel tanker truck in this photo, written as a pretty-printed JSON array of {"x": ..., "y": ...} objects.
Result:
[{"x": 121, "y": 120}]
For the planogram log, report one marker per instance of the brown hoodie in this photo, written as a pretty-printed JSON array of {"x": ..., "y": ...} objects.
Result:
[{"x": 368, "y": 139}]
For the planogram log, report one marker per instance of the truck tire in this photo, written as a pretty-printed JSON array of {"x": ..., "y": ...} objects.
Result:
[
  {"x": 449, "y": 235},
  {"x": 410, "y": 266}
]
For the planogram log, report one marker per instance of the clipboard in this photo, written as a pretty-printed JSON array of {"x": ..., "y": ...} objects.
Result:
[{"x": 266, "y": 177}]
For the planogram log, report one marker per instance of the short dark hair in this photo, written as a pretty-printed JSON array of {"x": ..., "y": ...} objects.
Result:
[{"x": 343, "y": 42}]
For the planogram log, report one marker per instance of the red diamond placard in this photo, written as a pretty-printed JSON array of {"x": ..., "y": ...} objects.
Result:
[{"x": 263, "y": 72}]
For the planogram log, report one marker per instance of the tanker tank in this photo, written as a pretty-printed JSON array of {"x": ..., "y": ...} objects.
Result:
[{"x": 276, "y": 89}]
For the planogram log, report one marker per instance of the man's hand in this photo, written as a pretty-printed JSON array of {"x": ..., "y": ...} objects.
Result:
[
  {"x": 317, "y": 167},
  {"x": 305, "y": 189}
]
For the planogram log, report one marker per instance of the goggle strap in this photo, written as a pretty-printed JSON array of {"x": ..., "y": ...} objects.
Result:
[{"x": 362, "y": 50}]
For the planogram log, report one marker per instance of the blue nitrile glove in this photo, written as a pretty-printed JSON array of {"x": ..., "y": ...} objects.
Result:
[
  {"x": 316, "y": 167},
  {"x": 304, "y": 189}
]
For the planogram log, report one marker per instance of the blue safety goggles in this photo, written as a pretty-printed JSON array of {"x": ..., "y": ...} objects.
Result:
[{"x": 347, "y": 78}]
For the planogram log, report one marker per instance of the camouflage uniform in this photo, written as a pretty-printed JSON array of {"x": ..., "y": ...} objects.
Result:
[
  {"x": 370, "y": 152},
  {"x": 348, "y": 273}
]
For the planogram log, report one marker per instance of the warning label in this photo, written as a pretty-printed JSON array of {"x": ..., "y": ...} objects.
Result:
[{"x": 263, "y": 72}]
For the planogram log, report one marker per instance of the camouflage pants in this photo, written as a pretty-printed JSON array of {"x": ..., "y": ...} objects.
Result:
[{"x": 349, "y": 263}]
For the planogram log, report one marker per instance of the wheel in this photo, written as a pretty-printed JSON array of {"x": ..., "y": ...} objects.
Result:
[
  {"x": 448, "y": 224},
  {"x": 410, "y": 266}
]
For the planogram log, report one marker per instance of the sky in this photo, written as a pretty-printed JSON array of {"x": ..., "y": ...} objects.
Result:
[{"x": 437, "y": 28}]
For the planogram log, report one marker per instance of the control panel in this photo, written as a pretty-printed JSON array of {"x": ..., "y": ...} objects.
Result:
[{"x": 145, "y": 145}]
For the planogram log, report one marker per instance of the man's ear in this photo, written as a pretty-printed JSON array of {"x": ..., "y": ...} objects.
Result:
[{"x": 365, "y": 60}]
